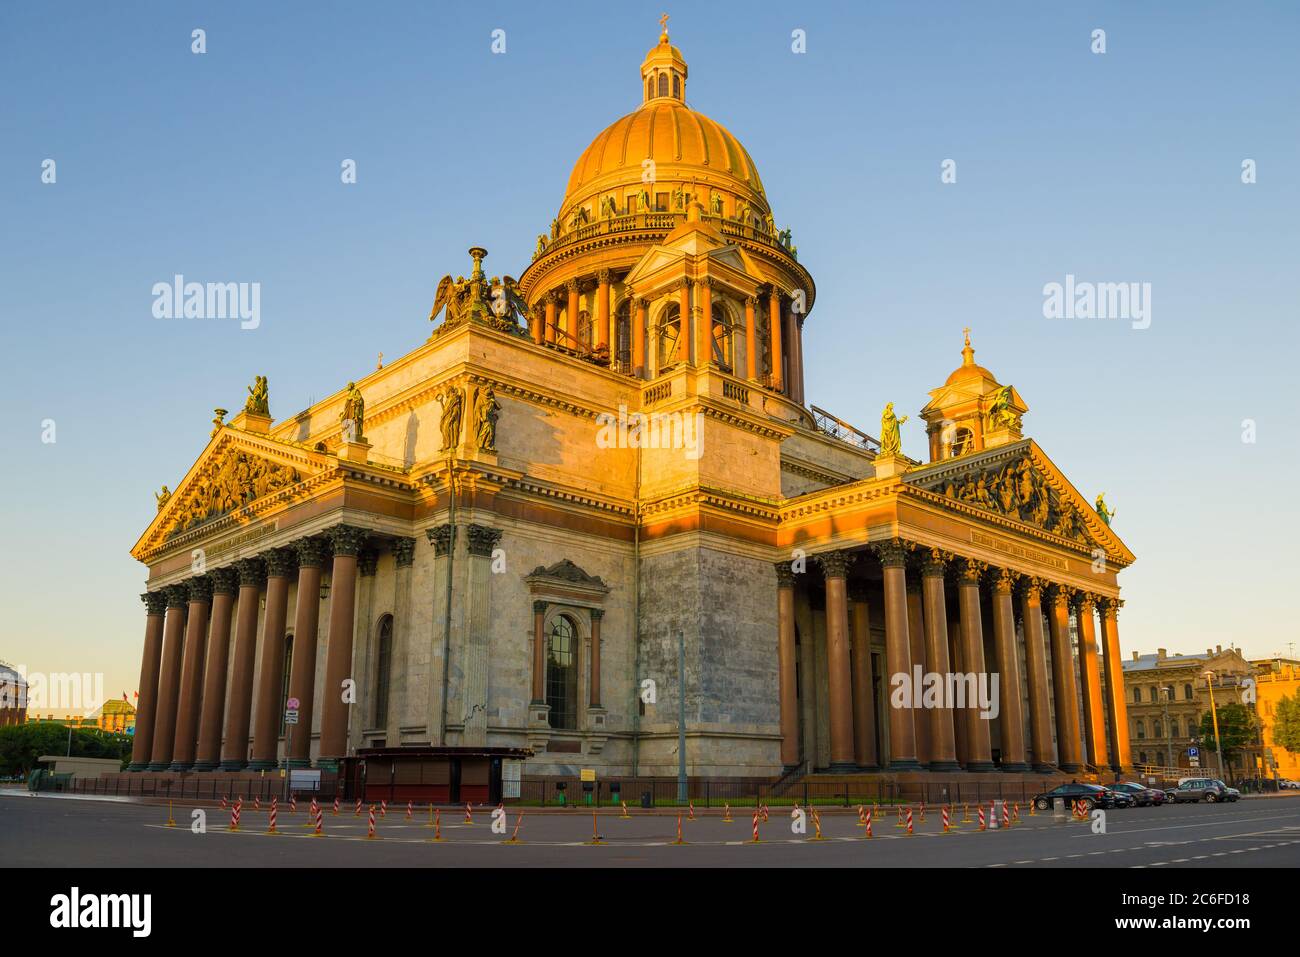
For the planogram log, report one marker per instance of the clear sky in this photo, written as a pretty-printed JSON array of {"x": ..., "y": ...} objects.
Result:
[{"x": 1116, "y": 167}]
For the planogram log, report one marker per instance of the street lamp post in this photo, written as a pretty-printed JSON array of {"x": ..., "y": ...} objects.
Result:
[
  {"x": 1167, "y": 692},
  {"x": 1214, "y": 716}
]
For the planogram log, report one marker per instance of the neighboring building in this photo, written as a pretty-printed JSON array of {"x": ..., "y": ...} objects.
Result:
[
  {"x": 13, "y": 697},
  {"x": 512, "y": 536},
  {"x": 68, "y": 720},
  {"x": 114, "y": 715},
  {"x": 1172, "y": 688},
  {"x": 1278, "y": 762}
]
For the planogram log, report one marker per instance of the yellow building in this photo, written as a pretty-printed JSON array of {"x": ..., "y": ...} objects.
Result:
[
  {"x": 595, "y": 500},
  {"x": 1271, "y": 687}
]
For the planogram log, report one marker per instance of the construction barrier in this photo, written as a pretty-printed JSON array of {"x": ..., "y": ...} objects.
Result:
[
  {"x": 910, "y": 833},
  {"x": 755, "y": 839},
  {"x": 320, "y": 824},
  {"x": 370, "y": 830},
  {"x": 980, "y": 809},
  {"x": 946, "y": 828},
  {"x": 867, "y": 833}
]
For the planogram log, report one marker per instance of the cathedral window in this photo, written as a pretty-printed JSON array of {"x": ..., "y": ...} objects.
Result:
[
  {"x": 562, "y": 673},
  {"x": 724, "y": 338},
  {"x": 584, "y": 330},
  {"x": 663, "y": 84},
  {"x": 623, "y": 334},
  {"x": 383, "y": 670},
  {"x": 677, "y": 86},
  {"x": 669, "y": 332},
  {"x": 1187, "y": 692},
  {"x": 962, "y": 442}
]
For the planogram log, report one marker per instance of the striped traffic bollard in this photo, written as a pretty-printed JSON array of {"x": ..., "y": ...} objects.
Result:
[
  {"x": 691, "y": 805},
  {"x": 993, "y": 814},
  {"x": 1006, "y": 815},
  {"x": 946, "y": 828},
  {"x": 726, "y": 814},
  {"x": 867, "y": 833},
  {"x": 980, "y": 809},
  {"x": 320, "y": 824},
  {"x": 293, "y": 803},
  {"x": 223, "y": 802},
  {"x": 370, "y": 828},
  {"x": 437, "y": 825},
  {"x": 410, "y": 810},
  {"x": 679, "y": 829},
  {"x": 357, "y": 812},
  {"x": 336, "y": 804},
  {"x": 755, "y": 838},
  {"x": 234, "y": 817},
  {"x": 910, "y": 832},
  {"x": 965, "y": 813},
  {"x": 595, "y": 830},
  {"x": 257, "y": 803},
  {"x": 270, "y": 823},
  {"x": 312, "y": 809},
  {"x": 625, "y": 816},
  {"x": 383, "y": 809},
  {"x": 1015, "y": 813},
  {"x": 817, "y": 824},
  {"x": 764, "y": 813},
  {"x": 514, "y": 837},
  {"x": 899, "y": 823},
  {"x": 469, "y": 814},
  {"x": 1032, "y": 812},
  {"x": 922, "y": 812},
  {"x": 862, "y": 816}
]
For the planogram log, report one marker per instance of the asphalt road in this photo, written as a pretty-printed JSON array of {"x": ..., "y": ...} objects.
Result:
[{"x": 75, "y": 832}]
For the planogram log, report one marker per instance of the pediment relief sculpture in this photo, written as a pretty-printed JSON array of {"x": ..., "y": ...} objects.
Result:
[
  {"x": 1018, "y": 490},
  {"x": 232, "y": 481}
]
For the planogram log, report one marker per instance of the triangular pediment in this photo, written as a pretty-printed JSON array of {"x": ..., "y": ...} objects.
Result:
[
  {"x": 703, "y": 249},
  {"x": 236, "y": 471},
  {"x": 1019, "y": 482}
]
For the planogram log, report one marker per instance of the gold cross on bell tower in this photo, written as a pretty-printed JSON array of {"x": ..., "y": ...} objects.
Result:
[{"x": 663, "y": 23}]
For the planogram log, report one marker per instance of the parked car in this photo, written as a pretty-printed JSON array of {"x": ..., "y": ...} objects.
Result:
[
  {"x": 1209, "y": 790},
  {"x": 1092, "y": 795},
  {"x": 1286, "y": 785},
  {"x": 1143, "y": 795}
]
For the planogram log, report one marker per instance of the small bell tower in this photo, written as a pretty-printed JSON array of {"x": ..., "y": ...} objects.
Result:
[{"x": 971, "y": 411}]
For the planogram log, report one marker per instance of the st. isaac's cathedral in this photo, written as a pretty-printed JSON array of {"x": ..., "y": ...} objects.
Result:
[{"x": 596, "y": 490}]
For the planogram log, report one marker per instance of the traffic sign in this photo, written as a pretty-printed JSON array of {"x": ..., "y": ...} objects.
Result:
[
  {"x": 291, "y": 716},
  {"x": 1193, "y": 752},
  {"x": 292, "y": 704}
]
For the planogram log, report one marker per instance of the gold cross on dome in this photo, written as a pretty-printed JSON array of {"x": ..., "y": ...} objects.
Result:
[
  {"x": 663, "y": 22},
  {"x": 966, "y": 333}
]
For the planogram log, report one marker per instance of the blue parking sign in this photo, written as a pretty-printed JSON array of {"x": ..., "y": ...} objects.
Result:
[{"x": 1193, "y": 752}]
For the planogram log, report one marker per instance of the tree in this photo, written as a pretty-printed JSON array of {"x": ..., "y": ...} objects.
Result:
[
  {"x": 22, "y": 744},
  {"x": 1238, "y": 729},
  {"x": 1286, "y": 723}
]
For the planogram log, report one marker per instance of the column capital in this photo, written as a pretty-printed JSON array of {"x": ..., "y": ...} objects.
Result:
[
  {"x": 705, "y": 282},
  {"x": 893, "y": 553},
  {"x": 970, "y": 570},
  {"x": 934, "y": 561},
  {"x": 752, "y": 301},
  {"x": 1059, "y": 595},
  {"x": 482, "y": 540},
  {"x": 200, "y": 589},
  {"x": 155, "y": 602},
  {"x": 784, "y": 575},
  {"x": 403, "y": 552},
  {"x": 225, "y": 581},
  {"x": 835, "y": 564},
  {"x": 641, "y": 302},
  {"x": 1109, "y": 607},
  {"x": 311, "y": 551},
  {"x": 551, "y": 296},
  {"x": 1083, "y": 602},
  {"x": 440, "y": 537},
  {"x": 571, "y": 285},
  {"x": 346, "y": 539},
  {"x": 368, "y": 561},
  {"x": 596, "y": 613},
  {"x": 252, "y": 572},
  {"x": 280, "y": 562},
  {"x": 604, "y": 275},
  {"x": 1031, "y": 588},
  {"x": 539, "y": 607},
  {"x": 1004, "y": 580}
]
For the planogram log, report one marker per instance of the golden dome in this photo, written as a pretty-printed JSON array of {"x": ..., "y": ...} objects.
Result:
[
  {"x": 685, "y": 146},
  {"x": 968, "y": 369}
]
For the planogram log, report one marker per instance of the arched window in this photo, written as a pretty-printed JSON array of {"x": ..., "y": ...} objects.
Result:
[
  {"x": 677, "y": 86},
  {"x": 383, "y": 670},
  {"x": 1141, "y": 729},
  {"x": 724, "y": 338},
  {"x": 1173, "y": 727},
  {"x": 284, "y": 678},
  {"x": 663, "y": 84},
  {"x": 1142, "y": 757},
  {"x": 1137, "y": 695},
  {"x": 649, "y": 87},
  {"x": 1187, "y": 691},
  {"x": 1155, "y": 729},
  {"x": 1153, "y": 694},
  {"x": 962, "y": 442},
  {"x": 562, "y": 673},
  {"x": 584, "y": 330},
  {"x": 669, "y": 332},
  {"x": 623, "y": 334}
]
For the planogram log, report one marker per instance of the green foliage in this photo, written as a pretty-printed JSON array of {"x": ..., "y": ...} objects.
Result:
[
  {"x": 22, "y": 744},
  {"x": 1238, "y": 728},
  {"x": 1286, "y": 723}
]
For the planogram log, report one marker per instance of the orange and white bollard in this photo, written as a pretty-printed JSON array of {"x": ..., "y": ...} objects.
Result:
[
  {"x": 270, "y": 827},
  {"x": 691, "y": 806},
  {"x": 437, "y": 825},
  {"x": 946, "y": 827},
  {"x": 1006, "y": 815},
  {"x": 726, "y": 814},
  {"x": 514, "y": 837},
  {"x": 867, "y": 824},
  {"x": 370, "y": 830},
  {"x": 357, "y": 812},
  {"x": 223, "y": 802},
  {"x": 679, "y": 829},
  {"x": 383, "y": 809},
  {"x": 336, "y": 804},
  {"x": 755, "y": 838},
  {"x": 909, "y": 823},
  {"x": 981, "y": 814},
  {"x": 899, "y": 822},
  {"x": 293, "y": 804},
  {"x": 320, "y": 824},
  {"x": 1032, "y": 812},
  {"x": 410, "y": 810},
  {"x": 1015, "y": 813},
  {"x": 862, "y": 816},
  {"x": 922, "y": 812},
  {"x": 469, "y": 814},
  {"x": 312, "y": 810},
  {"x": 257, "y": 803},
  {"x": 234, "y": 817},
  {"x": 625, "y": 816}
]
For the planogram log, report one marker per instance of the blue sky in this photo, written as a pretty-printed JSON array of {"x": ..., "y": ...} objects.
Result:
[{"x": 1122, "y": 167}]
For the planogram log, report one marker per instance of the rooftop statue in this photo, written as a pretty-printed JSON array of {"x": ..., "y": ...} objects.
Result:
[
  {"x": 891, "y": 441},
  {"x": 162, "y": 497},
  {"x": 258, "y": 401},
  {"x": 353, "y": 414},
  {"x": 1002, "y": 415},
  {"x": 1106, "y": 514}
]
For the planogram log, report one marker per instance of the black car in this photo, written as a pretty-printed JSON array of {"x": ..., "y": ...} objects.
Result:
[
  {"x": 1142, "y": 795},
  {"x": 1092, "y": 795}
]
